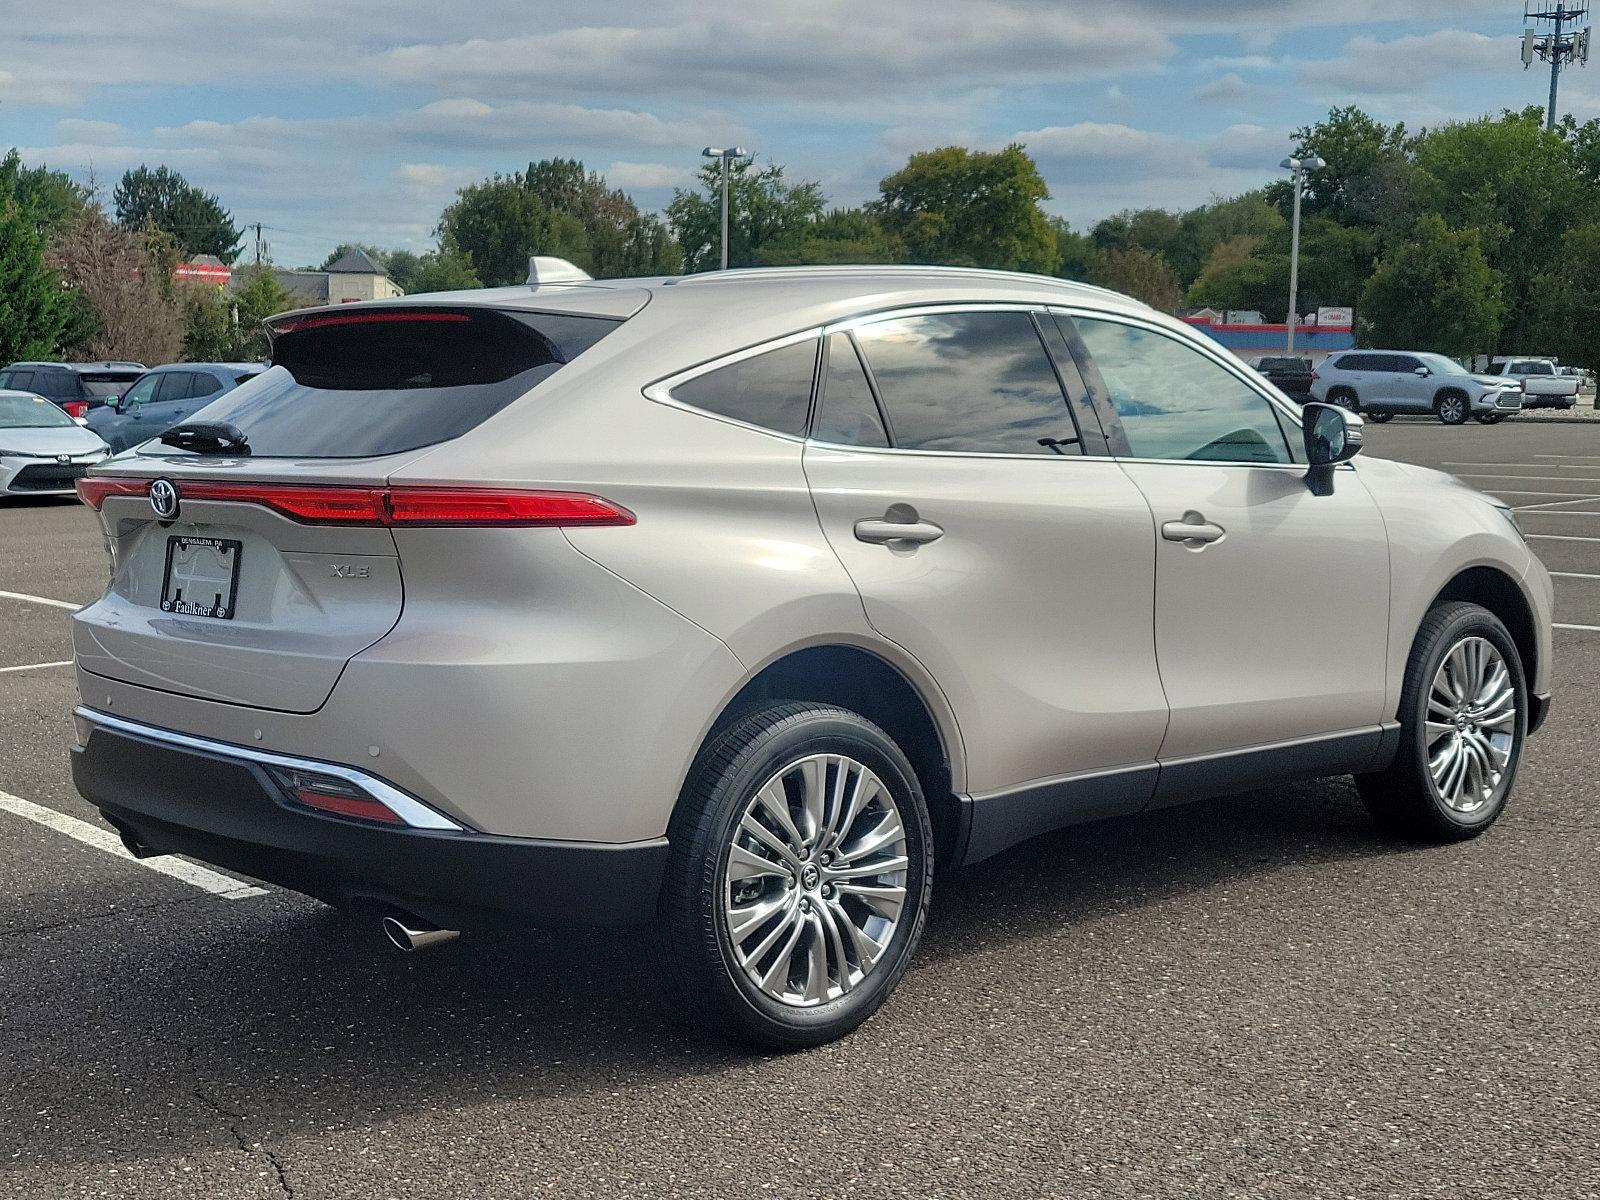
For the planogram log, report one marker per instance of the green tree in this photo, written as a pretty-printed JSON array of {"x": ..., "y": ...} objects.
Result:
[
  {"x": 208, "y": 331},
  {"x": 1236, "y": 276},
  {"x": 403, "y": 266},
  {"x": 1569, "y": 300},
  {"x": 499, "y": 223},
  {"x": 53, "y": 199},
  {"x": 259, "y": 296},
  {"x": 1353, "y": 145},
  {"x": 34, "y": 311},
  {"x": 1143, "y": 274},
  {"x": 842, "y": 235},
  {"x": 1077, "y": 256},
  {"x": 440, "y": 271},
  {"x": 971, "y": 208},
  {"x": 620, "y": 241},
  {"x": 167, "y": 200},
  {"x": 1435, "y": 290},
  {"x": 767, "y": 216}
]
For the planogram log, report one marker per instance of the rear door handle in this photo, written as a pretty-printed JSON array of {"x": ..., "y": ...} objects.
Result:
[
  {"x": 1191, "y": 529},
  {"x": 887, "y": 533}
]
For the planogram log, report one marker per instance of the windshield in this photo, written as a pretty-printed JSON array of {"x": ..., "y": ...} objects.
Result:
[
  {"x": 30, "y": 412},
  {"x": 1442, "y": 365}
]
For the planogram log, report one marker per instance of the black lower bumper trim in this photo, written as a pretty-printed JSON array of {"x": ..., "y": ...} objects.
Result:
[{"x": 227, "y": 812}]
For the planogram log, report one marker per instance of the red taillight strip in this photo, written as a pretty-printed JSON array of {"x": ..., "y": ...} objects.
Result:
[
  {"x": 322, "y": 321},
  {"x": 342, "y": 504}
]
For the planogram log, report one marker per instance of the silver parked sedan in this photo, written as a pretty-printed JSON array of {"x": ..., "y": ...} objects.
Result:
[
  {"x": 743, "y": 606},
  {"x": 43, "y": 452}
]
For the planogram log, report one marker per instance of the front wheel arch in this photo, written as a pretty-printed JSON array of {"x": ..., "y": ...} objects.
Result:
[{"x": 1498, "y": 592}]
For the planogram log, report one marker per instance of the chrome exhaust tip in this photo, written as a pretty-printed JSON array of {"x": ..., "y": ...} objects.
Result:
[{"x": 416, "y": 937}]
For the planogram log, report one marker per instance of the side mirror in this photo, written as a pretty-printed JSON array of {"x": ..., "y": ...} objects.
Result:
[
  {"x": 1422, "y": 372},
  {"x": 1333, "y": 436}
]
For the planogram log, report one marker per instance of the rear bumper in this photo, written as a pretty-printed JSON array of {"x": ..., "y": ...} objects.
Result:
[{"x": 216, "y": 804}]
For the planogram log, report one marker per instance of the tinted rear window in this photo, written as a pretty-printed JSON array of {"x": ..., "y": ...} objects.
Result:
[
  {"x": 107, "y": 385},
  {"x": 373, "y": 382},
  {"x": 772, "y": 390}
]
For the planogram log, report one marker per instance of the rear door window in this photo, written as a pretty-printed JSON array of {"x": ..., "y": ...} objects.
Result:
[
  {"x": 174, "y": 386},
  {"x": 971, "y": 382},
  {"x": 384, "y": 380},
  {"x": 202, "y": 384},
  {"x": 772, "y": 389},
  {"x": 847, "y": 414}
]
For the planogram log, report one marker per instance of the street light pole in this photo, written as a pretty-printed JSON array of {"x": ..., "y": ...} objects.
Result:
[
  {"x": 726, "y": 154},
  {"x": 1299, "y": 166}
]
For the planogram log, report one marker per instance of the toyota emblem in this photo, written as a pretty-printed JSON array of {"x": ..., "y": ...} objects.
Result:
[
  {"x": 164, "y": 499},
  {"x": 63, "y": 459}
]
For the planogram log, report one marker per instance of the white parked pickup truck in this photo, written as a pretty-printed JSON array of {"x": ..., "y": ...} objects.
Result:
[{"x": 1543, "y": 384}]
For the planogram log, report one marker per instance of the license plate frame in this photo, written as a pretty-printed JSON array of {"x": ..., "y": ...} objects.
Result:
[{"x": 229, "y": 550}]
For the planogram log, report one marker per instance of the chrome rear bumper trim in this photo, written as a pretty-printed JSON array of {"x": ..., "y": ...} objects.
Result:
[{"x": 408, "y": 808}]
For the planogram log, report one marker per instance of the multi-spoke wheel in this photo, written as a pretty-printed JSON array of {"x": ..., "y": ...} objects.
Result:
[
  {"x": 1463, "y": 717},
  {"x": 801, "y": 864}
]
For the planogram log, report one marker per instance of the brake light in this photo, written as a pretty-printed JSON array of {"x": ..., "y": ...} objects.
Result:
[
  {"x": 1315, "y": 377},
  {"x": 339, "y": 504},
  {"x": 400, "y": 317},
  {"x": 75, "y": 408}
]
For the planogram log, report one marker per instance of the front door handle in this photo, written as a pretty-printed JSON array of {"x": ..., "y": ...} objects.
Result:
[
  {"x": 1193, "y": 529},
  {"x": 898, "y": 534}
]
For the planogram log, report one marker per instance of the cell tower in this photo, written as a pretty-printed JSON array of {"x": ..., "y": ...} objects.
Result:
[{"x": 1564, "y": 43}]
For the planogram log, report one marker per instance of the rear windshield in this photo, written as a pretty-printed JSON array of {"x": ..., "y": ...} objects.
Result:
[
  {"x": 107, "y": 385},
  {"x": 374, "y": 382}
]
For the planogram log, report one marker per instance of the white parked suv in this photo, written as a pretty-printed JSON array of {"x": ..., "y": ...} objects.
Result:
[
  {"x": 743, "y": 606},
  {"x": 1380, "y": 383}
]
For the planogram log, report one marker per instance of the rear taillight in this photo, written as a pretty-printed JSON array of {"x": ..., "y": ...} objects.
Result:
[
  {"x": 75, "y": 408},
  {"x": 1315, "y": 377},
  {"x": 339, "y": 504}
]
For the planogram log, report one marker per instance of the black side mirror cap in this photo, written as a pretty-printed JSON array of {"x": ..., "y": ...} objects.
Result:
[{"x": 1332, "y": 436}]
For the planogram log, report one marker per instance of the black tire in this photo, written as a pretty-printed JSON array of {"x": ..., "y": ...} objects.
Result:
[
  {"x": 1403, "y": 797},
  {"x": 1344, "y": 398},
  {"x": 1452, "y": 408},
  {"x": 693, "y": 947},
  {"x": 1379, "y": 417},
  {"x": 1490, "y": 418}
]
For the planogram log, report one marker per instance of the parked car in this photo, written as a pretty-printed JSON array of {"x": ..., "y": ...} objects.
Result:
[
  {"x": 1543, "y": 384},
  {"x": 744, "y": 605},
  {"x": 1292, "y": 376},
  {"x": 43, "y": 451},
  {"x": 165, "y": 397},
  {"x": 1381, "y": 383},
  {"x": 76, "y": 387}
]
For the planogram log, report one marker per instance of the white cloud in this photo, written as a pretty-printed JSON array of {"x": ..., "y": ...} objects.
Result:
[
  {"x": 645, "y": 175},
  {"x": 1409, "y": 65},
  {"x": 1225, "y": 89}
]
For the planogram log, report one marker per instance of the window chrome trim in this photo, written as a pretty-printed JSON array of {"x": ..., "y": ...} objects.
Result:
[
  {"x": 408, "y": 808},
  {"x": 1215, "y": 354}
]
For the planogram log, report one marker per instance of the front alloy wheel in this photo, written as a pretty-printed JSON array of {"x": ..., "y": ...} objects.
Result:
[
  {"x": 1463, "y": 719},
  {"x": 1452, "y": 409}
]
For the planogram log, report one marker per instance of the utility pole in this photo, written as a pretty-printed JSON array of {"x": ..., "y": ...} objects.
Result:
[
  {"x": 726, "y": 154},
  {"x": 259, "y": 247},
  {"x": 1299, "y": 166},
  {"x": 1563, "y": 46}
]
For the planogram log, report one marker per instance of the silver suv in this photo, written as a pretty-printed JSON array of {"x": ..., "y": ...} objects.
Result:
[
  {"x": 742, "y": 606},
  {"x": 1381, "y": 383}
]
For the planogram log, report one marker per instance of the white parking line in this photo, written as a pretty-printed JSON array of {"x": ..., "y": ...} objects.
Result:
[
  {"x": 1529, "y": 478},
  {"x": 1594, "y": 466},
  {"x": 36, "y": 666},
  {"x": 104, "y": 839},
  {"x": 40, "y": 600},
  {"x": 1583, "y": 628},
  {"x": 1559, "y": 537},
  {"x": 1558, "y": 503},
  {"x": 1572, "y": 575}
]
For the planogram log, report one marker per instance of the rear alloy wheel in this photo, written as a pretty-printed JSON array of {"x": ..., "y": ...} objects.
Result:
[
  {"x": 1379, "y": 417},
  {"x": 1451, "y": 408},
  {"x": 1463, "y": 718},
  {"x": 799, "y": 880},
  {"x": 1344, "y": 398}
]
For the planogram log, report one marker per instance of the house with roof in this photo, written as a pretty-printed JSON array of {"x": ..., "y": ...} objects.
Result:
[{"x": 354, "y": 276}]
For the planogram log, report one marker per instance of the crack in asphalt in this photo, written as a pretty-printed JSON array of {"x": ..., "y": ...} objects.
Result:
[
  {"x": 231, "y": 1119},
  {"x": 47, "y": 926}
]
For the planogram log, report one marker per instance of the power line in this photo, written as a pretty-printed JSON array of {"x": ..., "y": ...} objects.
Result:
[{"x": 1565, "y": 45}]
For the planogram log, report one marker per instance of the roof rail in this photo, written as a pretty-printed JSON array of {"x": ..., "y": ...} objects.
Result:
[{"x": 908, "y": 269}]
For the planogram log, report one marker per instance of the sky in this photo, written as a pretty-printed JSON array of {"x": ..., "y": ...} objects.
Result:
[{"x": 357, "y": 120}]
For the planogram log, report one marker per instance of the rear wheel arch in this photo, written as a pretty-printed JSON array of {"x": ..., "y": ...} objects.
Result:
[
  {"x": 860, "y": 681},
  {"x": 1498, "y": 592}
]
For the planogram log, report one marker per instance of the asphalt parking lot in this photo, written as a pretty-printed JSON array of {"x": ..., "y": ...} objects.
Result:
[{"x": 1256, "y": 996}]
